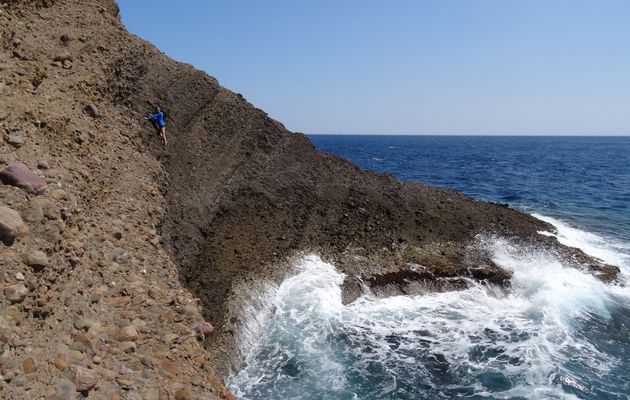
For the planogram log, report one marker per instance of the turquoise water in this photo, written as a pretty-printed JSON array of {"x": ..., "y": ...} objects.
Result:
[{"x": 558, "y": 334}]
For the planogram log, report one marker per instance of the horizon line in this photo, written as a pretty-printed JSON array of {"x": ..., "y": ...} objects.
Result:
[{"x": 470, "y": 134}]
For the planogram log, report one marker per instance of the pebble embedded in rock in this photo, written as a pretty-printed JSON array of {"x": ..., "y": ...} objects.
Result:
[
  {"x": 43, "y": 164},
  {"x": 128, "y": 347},
  {"x": 16, "y": 141},
  {"x": 84, "y": 379},
  {"x": 63, "y": 56},
  {"x": 153, "y": 293},
  {"x": 11, "y": 225},
  {"x": 128, "y": 333},
  {"x": 183, "y": 394},
  {"x": 190, "y": 311},
  {"x": 49, "y": 210},
  {"x": 61, "y": 362},
  {"x": 33, "y": 214},
  {"x": 58, "y": 194},
  {"x": 169, "y": 367},
  {"x": 29, "y": 365},
  {"x": 83, "y": 324},
  {"x": 124, "y": 383},
  {"x": 79, "y": 138},
  {"x": 21, "y": 176},
  {"x": 76, "y": 355},
  {"x": 150, "y": 393},
  {"x": 92, "y": 111},
  {"x": 202, "y": 329},
  {"x": 36, "y": 259},
  {"x": 65, "y": 390},
  {"x": 15, "y": 293},
  {"x": 169, "y": 338},
  {"x": 94, "y": 330}
]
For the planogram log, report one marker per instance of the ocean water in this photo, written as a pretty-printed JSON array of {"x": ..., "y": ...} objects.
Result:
[{"x": 558, "y": 333}]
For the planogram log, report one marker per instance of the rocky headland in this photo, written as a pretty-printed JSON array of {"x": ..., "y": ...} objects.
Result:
[{"x": 124, "y": 264}]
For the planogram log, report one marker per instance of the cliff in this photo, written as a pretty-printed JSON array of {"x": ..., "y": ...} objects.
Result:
[{"x": 121, "y": 252}]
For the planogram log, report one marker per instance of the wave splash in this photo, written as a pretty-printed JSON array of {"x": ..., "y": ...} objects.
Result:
[{"x": 558, "y": 334}]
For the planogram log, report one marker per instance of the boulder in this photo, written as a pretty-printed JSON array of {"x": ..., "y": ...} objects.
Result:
[
  {"x": 11, "y": 225},
  {"x": 21, "y": 176}
]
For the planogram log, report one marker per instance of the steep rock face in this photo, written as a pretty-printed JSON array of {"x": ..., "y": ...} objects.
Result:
[{"x": 226, "y": 205}]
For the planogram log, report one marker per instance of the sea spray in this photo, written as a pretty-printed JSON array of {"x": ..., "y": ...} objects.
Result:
[
  {"x": 255, "y": 312},
  {"x": 294, "y": 342},
  {"x": 559, "y": 333},
  {"x": 606, "y": 249}
]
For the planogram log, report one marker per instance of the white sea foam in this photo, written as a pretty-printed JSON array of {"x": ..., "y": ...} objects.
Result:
[
  {"x": 532, "y": 342},
  {"x": 256, "y": 311},
  {"x": 606, "y": 249}
]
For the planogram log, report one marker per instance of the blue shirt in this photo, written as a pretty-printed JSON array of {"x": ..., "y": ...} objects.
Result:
[{"x": 159, "y": 118}]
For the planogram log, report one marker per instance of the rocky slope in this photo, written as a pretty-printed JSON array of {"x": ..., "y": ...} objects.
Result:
[{"x": 117, "y": 252}]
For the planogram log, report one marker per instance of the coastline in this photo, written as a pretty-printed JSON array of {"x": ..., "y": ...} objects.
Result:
[{"x": 144, "y": 245}]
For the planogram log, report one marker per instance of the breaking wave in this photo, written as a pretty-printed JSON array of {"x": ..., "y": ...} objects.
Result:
[{"x": 558, "y": 334}]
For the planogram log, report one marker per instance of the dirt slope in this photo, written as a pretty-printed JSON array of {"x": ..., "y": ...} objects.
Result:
[{"x": 116, "y": 263}]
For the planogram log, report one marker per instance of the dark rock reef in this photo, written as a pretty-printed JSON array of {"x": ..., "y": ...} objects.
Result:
[{"x": 235, "y": 197}]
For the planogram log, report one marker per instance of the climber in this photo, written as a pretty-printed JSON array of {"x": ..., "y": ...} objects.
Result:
[{"x": 158, "y": 120}]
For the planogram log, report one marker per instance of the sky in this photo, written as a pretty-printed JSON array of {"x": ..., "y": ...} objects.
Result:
[{"x": 536, "y": 67}]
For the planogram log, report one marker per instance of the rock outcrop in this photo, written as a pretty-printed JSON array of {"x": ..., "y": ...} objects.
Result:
[{"x": 123, "y": 264}]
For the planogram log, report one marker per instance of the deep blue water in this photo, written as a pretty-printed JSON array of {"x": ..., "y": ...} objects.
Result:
[{"x": 559, "y": 333}]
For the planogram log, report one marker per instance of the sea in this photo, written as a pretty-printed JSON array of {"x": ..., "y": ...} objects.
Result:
[{"x": 558, "y": 333}]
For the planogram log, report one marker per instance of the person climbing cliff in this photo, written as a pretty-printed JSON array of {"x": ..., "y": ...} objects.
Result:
[{"x": 158, "y": 120}]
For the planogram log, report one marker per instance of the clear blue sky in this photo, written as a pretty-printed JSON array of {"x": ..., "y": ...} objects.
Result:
[{"x": 409, "y": 66}]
